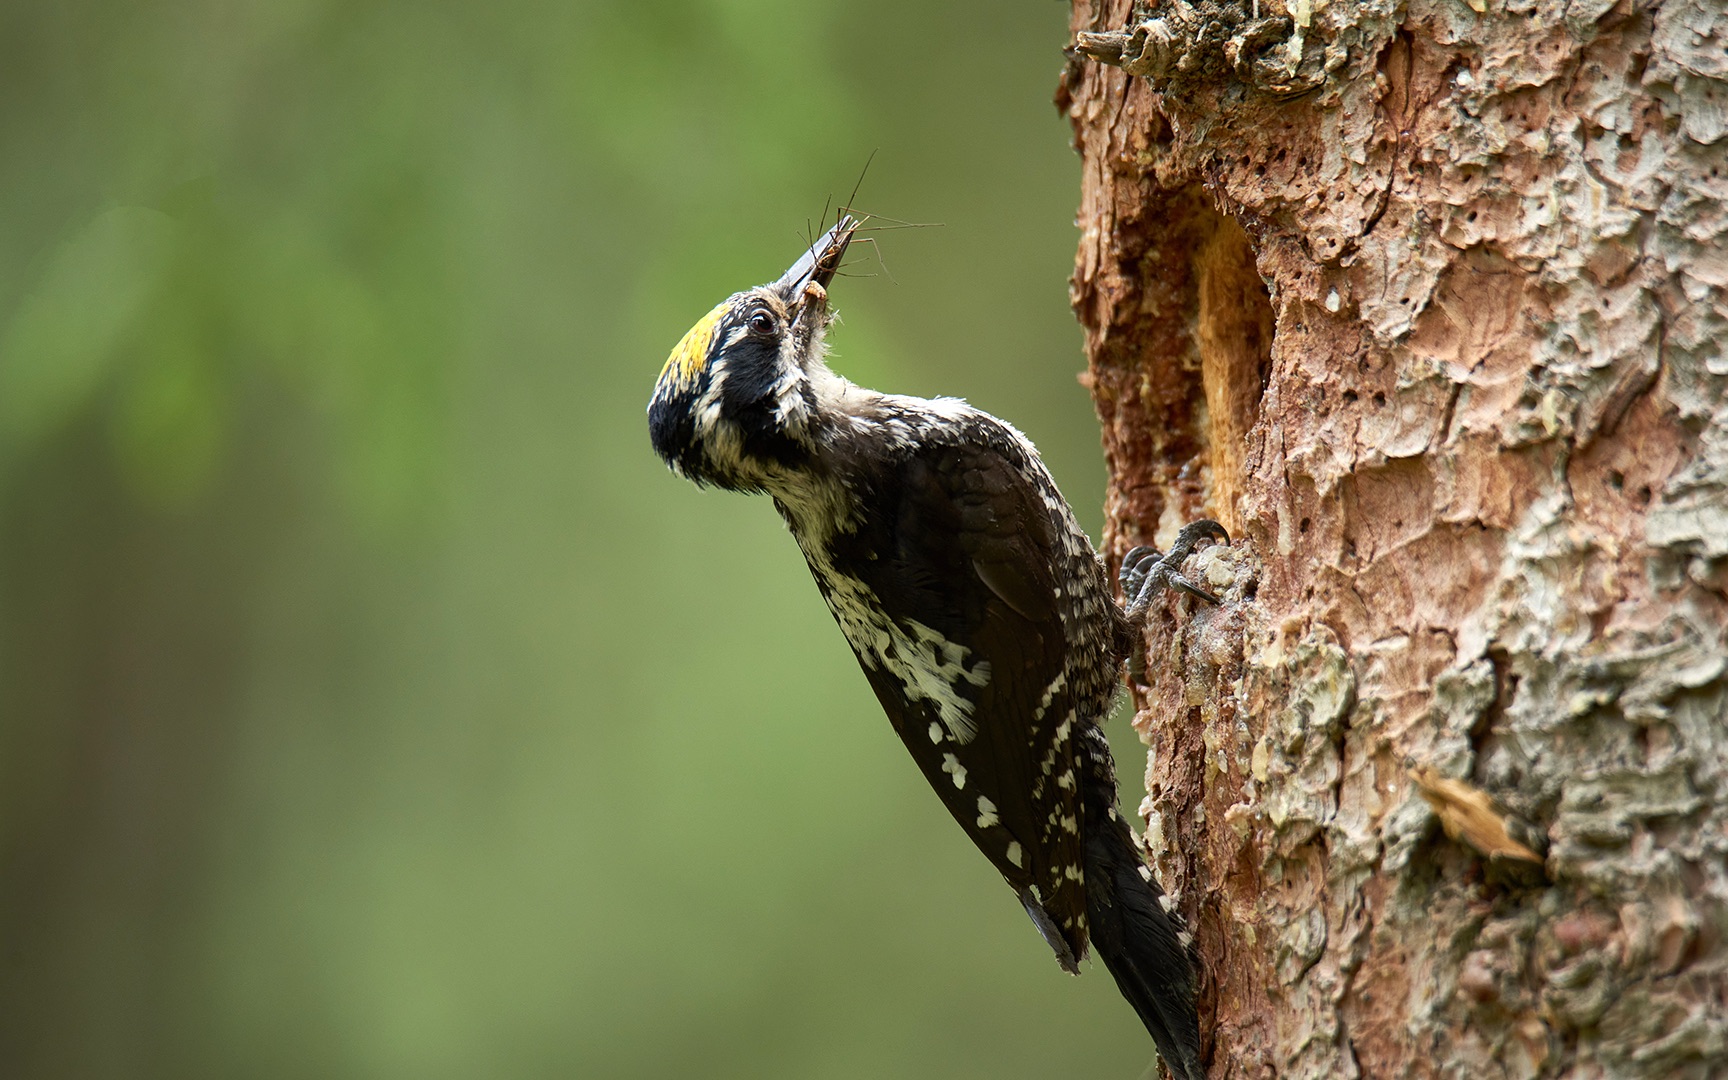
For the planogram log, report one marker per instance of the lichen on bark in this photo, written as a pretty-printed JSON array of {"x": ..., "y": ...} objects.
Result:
[{"x": 1426, "y": 301}]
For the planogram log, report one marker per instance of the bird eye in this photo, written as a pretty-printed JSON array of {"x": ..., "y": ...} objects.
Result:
[{"x": 762, "y": 322}]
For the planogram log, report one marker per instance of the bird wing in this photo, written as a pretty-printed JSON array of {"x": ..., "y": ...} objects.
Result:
[{"x": 974, "y": 676}]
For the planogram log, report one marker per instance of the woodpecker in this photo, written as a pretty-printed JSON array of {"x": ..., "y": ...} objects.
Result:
[{"x": 981, "y": 614}]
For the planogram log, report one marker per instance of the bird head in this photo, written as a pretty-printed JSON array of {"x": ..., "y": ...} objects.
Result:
[{"x": 736, "y": 400}]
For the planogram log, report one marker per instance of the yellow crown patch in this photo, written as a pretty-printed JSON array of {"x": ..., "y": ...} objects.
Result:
[{"x": 691, "y": 353}]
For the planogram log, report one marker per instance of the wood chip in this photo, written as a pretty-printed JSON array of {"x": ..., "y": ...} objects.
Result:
[{"x": 1468, "y": 814}]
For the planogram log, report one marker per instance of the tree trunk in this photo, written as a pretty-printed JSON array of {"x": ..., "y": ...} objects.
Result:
[{"x": 1425, "y": 302}]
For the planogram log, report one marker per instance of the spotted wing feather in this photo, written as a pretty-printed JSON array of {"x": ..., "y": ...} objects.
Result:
[{"x": 993, "y": 594}]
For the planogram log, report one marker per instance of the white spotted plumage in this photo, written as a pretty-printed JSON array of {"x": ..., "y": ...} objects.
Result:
[{"x": 951, "y": 765}]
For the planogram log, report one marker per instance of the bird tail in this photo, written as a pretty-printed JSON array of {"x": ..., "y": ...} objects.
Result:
[{"x": 1142, "y": 944}]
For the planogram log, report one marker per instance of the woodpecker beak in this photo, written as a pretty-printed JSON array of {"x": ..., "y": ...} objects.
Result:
[
  {"x": 805, "y": 286},
  {"x": 818, "y": 265}
]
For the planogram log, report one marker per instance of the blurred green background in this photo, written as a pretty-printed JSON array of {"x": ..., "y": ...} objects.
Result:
[{"x": 372, "y": 701}]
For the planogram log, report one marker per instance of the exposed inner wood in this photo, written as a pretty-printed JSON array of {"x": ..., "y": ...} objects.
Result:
[{"x": 1234, "y": 336}]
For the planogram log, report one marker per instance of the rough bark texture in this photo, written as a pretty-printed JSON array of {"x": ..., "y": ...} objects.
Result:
[{"x": 1426, "y": 302}]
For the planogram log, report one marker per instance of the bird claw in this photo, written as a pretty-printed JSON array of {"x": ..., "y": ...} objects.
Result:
[
  {"x": 1134, "y": 567},
  {"x": 1145, "y": 570}
]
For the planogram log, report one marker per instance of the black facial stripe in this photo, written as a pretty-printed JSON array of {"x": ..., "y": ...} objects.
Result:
[
  {"x": 752, "y": 369},
  {"x": 672, "y": 427},
  {"x": 748, "y": 401}
]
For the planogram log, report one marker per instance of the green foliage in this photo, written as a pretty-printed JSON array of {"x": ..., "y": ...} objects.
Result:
[
  {"x": 372, "y": 703},
  {"x": 64, "y": 338}
]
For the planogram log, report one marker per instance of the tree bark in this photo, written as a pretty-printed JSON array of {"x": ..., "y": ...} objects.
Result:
[{"x": 1425, "y": 302}]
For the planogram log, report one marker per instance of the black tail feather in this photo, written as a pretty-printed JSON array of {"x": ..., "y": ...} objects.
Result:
[{"x": 1141, "y": 944}]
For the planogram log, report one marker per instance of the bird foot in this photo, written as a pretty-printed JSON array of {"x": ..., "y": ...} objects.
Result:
[{"x": 1145, "y": 570}]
